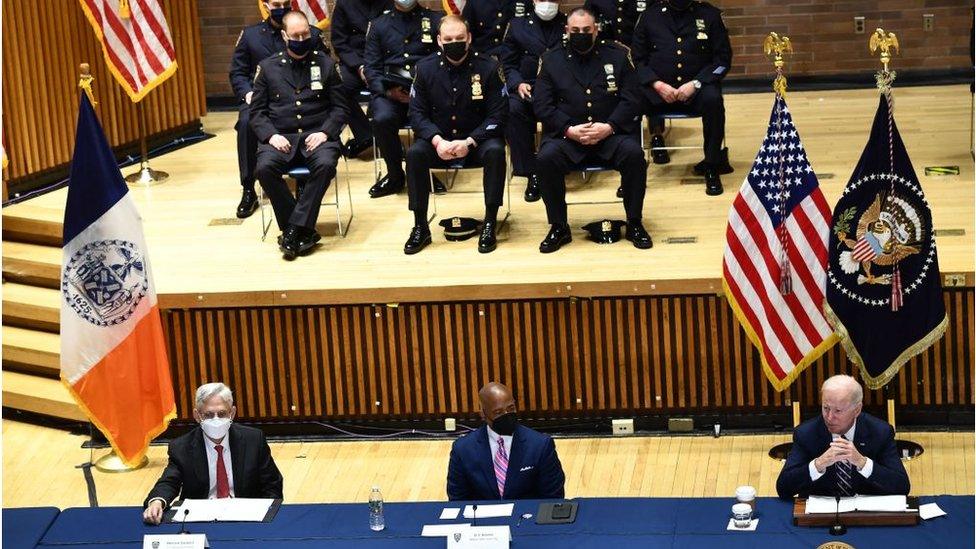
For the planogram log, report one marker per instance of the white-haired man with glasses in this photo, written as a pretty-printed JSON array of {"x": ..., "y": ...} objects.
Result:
[
  {"x": 217, "y": 459},
  {"x": 843, "y": 452}
]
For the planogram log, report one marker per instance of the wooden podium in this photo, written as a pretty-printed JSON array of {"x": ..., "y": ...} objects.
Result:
[{"x": 856, "y": 518}]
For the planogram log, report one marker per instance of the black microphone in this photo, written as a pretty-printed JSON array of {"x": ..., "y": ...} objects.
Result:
[
  {"x": 837, "y": 529},
  {"x": 183, "y": 522},
  {"x": 474, "y": 514}
]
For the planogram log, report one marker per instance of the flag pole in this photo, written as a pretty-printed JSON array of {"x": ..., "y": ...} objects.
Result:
[
  {"x": 776, "y": 46},
  {"x": 146, "y": 176}
]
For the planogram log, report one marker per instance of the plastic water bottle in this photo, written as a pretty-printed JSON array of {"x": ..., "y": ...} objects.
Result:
[{"x": 376, "y": 520}]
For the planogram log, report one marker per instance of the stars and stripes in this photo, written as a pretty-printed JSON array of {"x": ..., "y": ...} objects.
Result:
[
  {"x": 317, "y": 11},
  {"x": 453, "y": 6},
  {"x": 778, "y": 228},
  {"x": 135, "y": 42}
]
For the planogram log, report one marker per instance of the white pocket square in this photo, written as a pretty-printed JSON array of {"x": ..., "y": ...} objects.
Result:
[{"x": 526, "y": 468}]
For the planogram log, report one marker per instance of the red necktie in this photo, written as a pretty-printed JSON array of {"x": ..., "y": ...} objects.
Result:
[{"x": 223, "y": 487}]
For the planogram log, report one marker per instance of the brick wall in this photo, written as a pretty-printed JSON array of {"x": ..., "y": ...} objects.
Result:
[{"x": 822, "y": 32}]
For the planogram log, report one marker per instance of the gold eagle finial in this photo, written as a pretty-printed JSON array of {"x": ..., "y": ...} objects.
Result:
[
  {"x": 884, "y": 42},
  {"x": 775, "y": 47}
]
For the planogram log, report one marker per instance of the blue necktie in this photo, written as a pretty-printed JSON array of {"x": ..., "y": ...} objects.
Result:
[{"x": 845, "y": 482}]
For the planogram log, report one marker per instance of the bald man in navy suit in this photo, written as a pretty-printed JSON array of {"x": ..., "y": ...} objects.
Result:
[{"x": 503, "y": 460}]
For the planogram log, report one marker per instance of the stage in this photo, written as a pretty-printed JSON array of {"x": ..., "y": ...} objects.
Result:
[{"x": 360, "y": 330}]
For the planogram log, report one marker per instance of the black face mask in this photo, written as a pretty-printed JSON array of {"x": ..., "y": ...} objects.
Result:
[
  {"x": 505, "y": 424},
  {"x": 455, "y": 51},
  {"x": 300, "y": 47},
  {"x": 277, "y": 14},
  {"x": 581, "y": 42}
]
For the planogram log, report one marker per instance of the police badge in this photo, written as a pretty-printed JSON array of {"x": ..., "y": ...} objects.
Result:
[
  {"x": 426, "y": 37},
  {"x": 611, "y": 78},
  {"x": 476, "y": 87},
  {"x": 105, "y": 281},
  {"x": 641, "y": 6},
  {"x": 700, "y": 24}
]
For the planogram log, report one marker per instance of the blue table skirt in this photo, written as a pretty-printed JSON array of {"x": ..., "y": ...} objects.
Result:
[
  {"x": 623, "y": 522},
  {"x": 24, "y": 527}
]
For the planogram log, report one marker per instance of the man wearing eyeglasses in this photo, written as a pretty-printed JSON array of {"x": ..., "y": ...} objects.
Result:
[
  {"x": 218, "y": 459},
  {"x": 843, "y": 452}
]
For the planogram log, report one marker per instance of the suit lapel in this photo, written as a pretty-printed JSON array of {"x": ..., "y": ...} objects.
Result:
[
  {"x": 201, "y": 470},
  {"x": 488, "y": 465},
  {"x": 515, "y": 457},
  {"x": 238, "y": 453}
]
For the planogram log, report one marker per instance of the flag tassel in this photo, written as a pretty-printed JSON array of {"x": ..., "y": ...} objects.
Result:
[
  {"x": 896, "y": 296},
  {"x": 785, "y": 278}
]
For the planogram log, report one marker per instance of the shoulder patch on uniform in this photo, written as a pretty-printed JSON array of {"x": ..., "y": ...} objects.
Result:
[{"x": 239, "y": 37}]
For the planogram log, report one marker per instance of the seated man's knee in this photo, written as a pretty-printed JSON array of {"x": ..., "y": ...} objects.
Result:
[
  {"x": 419, "y": 151},
  {"x": 711, "y": 98},
  {"x": 494, "y": 150}
]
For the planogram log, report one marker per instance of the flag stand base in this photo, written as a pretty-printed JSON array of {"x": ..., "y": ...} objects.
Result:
[
  {"x": 112, "y": 463},
  {"x": 146, "y": 176}
]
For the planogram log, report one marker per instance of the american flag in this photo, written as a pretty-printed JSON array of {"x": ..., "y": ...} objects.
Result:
[
  {"x": 453, "y": 6},
  {"x": 778, "y": 231},
  {"x": 135, "y": 42},
  {"x": 317, "y": 11}
]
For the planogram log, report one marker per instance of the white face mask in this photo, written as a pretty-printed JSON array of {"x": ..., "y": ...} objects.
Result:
[
  {"x": 216, "y": 427},
  {"x": 546, "y": 10},
  {"x": 406, "y": 4}
]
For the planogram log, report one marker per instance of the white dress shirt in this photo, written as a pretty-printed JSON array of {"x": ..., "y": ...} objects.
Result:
[
  {"x": 849, "y": 435},
  {"x": 212, "y": 465},
  {"x": 493, "y": 438}
]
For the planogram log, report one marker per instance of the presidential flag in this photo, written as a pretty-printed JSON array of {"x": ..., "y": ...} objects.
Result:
[
  {"x": 775, "y": 258},
  {"x": 113, "y": 355},
  {"x": 884, "y": 295},
  {"x": 317, "y": 11},
  {"x": 453, "y": 6}
]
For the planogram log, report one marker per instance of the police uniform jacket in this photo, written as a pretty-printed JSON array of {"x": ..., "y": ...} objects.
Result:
[
  {"x": 457, "y": 102},
  {"x": 396, "y": 41},
  {"x": 617, "y": 17},
  {"x": 526, "y": 39},
  {"x": 350, "y": 19},
  {"x": 599, "y": 86},
  {"x": 488, "y": 19},
  {"x": 680, "y": 46},
  {"x": 297, "y": 96},
  {"x": 256, "y": 43}
]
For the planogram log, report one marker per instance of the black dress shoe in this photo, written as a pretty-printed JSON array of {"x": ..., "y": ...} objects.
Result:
[
  {"x": 439, "y": 186},
  {"x": 307, "y": 240},
  {"x": 722, "y": 167},
  {"x": 385, "y": 187},
  {"x": 637, "y": 234},
  {"x": 620, "y": 191},
  {"x": 713, "y": 183},
  {"x": 532, "y": 192},
  {"x": 288, "y": 243},
  {"x": 355, "y": 147},
  {"x": 658, "y": 155},
  {"x": 559, "y": 234},
  {"x": 248, "y": 204},
  {"x": 487, "y": 241},
  {"x": 419, "y": 239}
]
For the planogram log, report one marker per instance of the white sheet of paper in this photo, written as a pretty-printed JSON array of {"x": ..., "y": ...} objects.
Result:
[
  {"x": 481, "y": 537},
  {"x": 490, "y": 511},
  {"x": 226, "y": 509},
  {"x": 930, "y": 510},
  {"x": 881, "y": 503},
  {"x": 821, "y": 504},
  {"x": 442, "y": 530},
  {"x": 450, "y": 513},
  {"x": 175, "y": 541},
  {"x": 751, "y": 528}
]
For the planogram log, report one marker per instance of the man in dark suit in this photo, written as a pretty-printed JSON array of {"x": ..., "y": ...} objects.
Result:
[
  {"x": 458, "y": 109},
  {"x": 503, "y": 460},
  {"x": 843, "y": 452},
  {"x": 682, "y": 52},
  {"x": 488, "y": 20},
  {"x": 350, "y": 19},
  {"x": 395, "y": 42},
  {"x": 526, "y": 39},
  {"x": 218, "y": 459},
  {"x": 587, "y": 98},
  {"x": 255, "y": 44},
  {"x": 297, "y": 113}
]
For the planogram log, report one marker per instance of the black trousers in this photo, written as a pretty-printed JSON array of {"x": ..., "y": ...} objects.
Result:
[
  {"x": 422, "y": 156},
  {"x": 558, "y": 157},
  {"x": 351, "y": 86},
  {"x": 520, "y": 134},
  {"x": 388, "y": 117},
  {"x": 247, "y": 147},
  {"x": 707, "y": 103},
  {"x": 272, "y": 164}
]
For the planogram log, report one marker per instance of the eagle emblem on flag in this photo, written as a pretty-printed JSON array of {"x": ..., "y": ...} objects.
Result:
[{"x": 884, "y": 237}]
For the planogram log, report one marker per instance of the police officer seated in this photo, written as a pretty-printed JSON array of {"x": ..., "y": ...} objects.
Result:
[
  {"x": 297, "y": 113},
  {"x": 617, "y": 17},
  {"x": 586, "y": 97},
  {"x": 488, "y": 20},
  {"x": 395, "y": 42},
  {"x": 350, "y": 19},
  {"x": 458, "y": 110},
  {"x": 526, "y": 39},
  {"x": 682, "y": 52},
  {"x": 256, "y": 43}
]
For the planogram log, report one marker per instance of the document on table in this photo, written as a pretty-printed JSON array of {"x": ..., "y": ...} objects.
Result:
[
  {"x": 450, "y": 513},
  {"x": 827, "y": 504},
  {"x": 224, "y": 509},
  {"x": 442, "y": 530},
  {"x": 481, "y": 537},
  {"x": 930, "y": 510},
  {"x": 489, "y": 511}
]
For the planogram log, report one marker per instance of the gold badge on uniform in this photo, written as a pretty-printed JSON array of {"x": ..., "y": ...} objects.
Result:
[
  {"x": 315, "y": 75},
  {"x": 700, "y": 24},
  {"x": 519, "y": 9},
  {"x": 702, "y": 36},
  {"x": 476, "y": 87},
  {"x": 426, "y": 37},
  {"x": 611, "y": 79},
  {"x": 641, "y": 6}
]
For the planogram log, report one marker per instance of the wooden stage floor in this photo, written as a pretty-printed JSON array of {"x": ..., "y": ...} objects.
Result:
[{"x": 200, "y": 262}]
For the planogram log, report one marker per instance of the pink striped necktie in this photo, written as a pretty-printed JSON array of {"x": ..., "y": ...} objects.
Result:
[{"x": 501, "y": 466}]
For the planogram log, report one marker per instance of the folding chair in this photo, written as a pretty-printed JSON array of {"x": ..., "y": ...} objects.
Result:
[
  {"x": 298, "y": 175},
  {"x": 455, "y": 168},
  {"x": 668, "y": 117}
]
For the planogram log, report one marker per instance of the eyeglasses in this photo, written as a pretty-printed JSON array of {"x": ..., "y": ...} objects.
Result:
[{"x": 222, "y": 414}]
